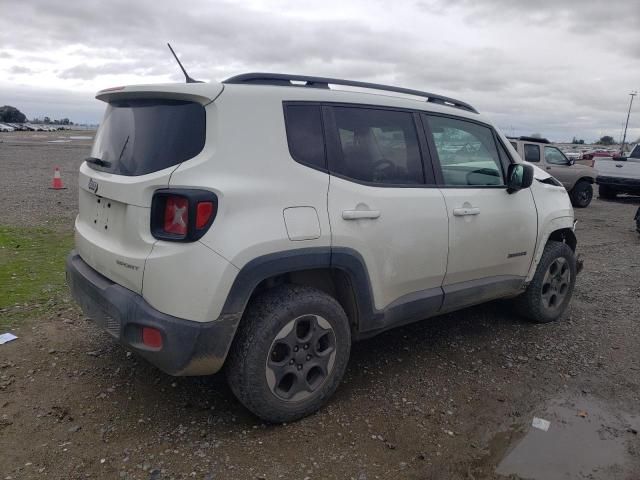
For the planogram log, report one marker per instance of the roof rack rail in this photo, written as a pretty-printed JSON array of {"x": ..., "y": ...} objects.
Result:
[
  {"x": 283, "y": 79},
  {"x": 533, "y": 139}
]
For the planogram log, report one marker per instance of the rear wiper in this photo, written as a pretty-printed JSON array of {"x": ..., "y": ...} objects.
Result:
[{"x": 98, "y": 161}]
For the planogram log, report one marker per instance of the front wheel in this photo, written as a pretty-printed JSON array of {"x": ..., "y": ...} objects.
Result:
[
  {"x": 549, "y": 293},
  {"x": 581, "y": 194},
  {"x": 290, "y": 353}
]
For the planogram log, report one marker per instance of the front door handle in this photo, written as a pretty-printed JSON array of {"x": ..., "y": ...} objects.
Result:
[
  {"x": 358, "y": 214},
  {"x": 461, "y": 212}
]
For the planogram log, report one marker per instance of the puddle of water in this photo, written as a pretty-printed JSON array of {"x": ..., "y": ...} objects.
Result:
[
  {"x": 59, "y": 141},
  {"x": 80, "y": 137},
  {"x": 597, "y": 445}
]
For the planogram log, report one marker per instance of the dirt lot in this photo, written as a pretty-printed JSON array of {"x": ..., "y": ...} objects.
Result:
[{"x": 452, "y": 397}]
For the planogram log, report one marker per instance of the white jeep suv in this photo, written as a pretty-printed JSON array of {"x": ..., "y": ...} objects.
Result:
[{"x": 266, "y": 222}]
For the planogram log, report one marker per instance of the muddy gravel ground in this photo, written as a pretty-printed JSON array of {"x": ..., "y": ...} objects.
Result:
[{"x": 452, "y": 397}]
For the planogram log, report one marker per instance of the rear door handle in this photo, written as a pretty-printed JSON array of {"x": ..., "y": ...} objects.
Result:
[
  {"x": 461, "y": 212},
  {"x": 358, "y": 214}
]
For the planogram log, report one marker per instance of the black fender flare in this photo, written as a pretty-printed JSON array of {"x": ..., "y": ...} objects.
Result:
[{"x": 278, "y": 263}]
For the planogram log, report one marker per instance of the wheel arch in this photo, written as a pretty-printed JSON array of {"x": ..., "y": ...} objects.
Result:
[
  {"x": 559, "y": 229},
  {"x": 589, "y": 180},
  {"x": 339, "y": 272},
  {"x": 564, "y": 235}
]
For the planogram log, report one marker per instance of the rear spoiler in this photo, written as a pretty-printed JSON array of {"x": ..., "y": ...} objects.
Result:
[{"x": 203, "y": 93}]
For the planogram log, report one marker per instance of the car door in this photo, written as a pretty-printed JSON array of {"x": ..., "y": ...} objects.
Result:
[
  {"x": 492, "y": 233},
  {"x": 559, "y": 166},
  {"x": 384, "y": 206}
]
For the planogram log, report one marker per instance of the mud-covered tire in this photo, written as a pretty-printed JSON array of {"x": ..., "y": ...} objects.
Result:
[
  {"x": 607, "y": 192},
  {"x": 262, "y": 357},
  {"x": 535, "y": 303},
  {"x": 582, "y": 194}
]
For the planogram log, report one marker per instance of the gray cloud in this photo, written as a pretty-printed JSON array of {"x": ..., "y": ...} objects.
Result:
[
  {"x": 17, "y": 69},
  {"x": 563, "y": 67}
]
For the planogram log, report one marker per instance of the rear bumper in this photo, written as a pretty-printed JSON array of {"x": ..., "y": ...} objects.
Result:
[
  {"x": 619, "y": 183},
  {"x": 188, "y": 347}
]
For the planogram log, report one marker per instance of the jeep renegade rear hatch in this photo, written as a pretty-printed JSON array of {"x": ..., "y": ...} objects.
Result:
[{"x": 141, "y": 136}]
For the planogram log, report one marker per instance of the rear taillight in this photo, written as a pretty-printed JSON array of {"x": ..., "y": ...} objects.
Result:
[
  {"x": 182, "y": 215},
  {"x": 176, "y": 215}
]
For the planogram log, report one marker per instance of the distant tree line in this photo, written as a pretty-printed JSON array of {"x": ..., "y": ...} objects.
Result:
[
  {"x": 606, "y": 140},
  {"x": 11, "y": 114},
  {"x": 48, "y": 121}
]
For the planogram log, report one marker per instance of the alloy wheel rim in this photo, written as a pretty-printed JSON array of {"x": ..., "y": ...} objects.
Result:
[
  {"x": 301, "y": 358},
  {"x": 556, "y": 282}
]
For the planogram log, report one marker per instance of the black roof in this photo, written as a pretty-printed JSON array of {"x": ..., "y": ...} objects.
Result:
[{"x": 323, "y": 82}]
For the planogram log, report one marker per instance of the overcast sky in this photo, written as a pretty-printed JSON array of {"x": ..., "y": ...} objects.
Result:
[{"x": 557, "y": 67}]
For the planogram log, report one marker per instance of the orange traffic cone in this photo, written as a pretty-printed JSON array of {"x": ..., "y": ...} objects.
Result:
[{"x": 56, "y": 184}]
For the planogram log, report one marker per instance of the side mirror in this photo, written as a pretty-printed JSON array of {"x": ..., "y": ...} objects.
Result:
[
  {"x": 572, "y": 162},
  {"x": 519, "y": 176}
]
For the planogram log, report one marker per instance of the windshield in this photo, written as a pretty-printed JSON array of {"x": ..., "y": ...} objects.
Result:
[
  {"x": 143, "y": 136},
  {"x": 636, "y": 152}
]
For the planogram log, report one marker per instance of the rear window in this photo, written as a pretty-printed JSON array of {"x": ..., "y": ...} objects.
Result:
[
  {"x": 143, "y": 136},
  {"x": 531, "y": 152}
]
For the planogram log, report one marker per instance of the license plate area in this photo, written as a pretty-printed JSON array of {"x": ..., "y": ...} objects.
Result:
[{"x": 106, "y": 214}]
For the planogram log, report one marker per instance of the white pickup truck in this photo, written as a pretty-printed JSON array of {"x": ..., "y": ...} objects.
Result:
[{"x": 620, "y": 175}]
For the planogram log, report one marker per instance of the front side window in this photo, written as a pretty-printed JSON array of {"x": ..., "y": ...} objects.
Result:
[
  {"x": 554, "y": 156},
  {"x": 531, "y": 152},
  {"x": 304, "y": 134},
  {"x": 376, "y": 146},
  {"x": 467, "y": 152},
  {"x": 143, "y": 136}
]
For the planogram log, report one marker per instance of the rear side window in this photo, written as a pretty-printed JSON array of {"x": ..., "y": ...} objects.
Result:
[
  {"x": 531, "y": 153},
  {"x": 143, "y": 136},
  {"x": 304, "y": 134},
  {"x": 376, "y": 146},
  {"x": 467, "y": 152}
]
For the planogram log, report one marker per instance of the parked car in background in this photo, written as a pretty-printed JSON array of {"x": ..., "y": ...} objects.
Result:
[
  {"x": 588, "y": 158},
  {"x": 576, "y": 178},
  {"x": 6, "y": 128},
  {"x": 620, "y": 175}
]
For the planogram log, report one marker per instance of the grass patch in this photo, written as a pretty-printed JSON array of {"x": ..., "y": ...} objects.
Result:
[{"x": 32, "y": 274}]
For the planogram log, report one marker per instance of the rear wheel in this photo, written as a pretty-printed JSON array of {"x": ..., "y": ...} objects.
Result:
[
  {"x": 290, "y": 353},
  {"x": 550, "y": 290},
  {"x": 581, "y": 194},
  {"x": 605, "y": 191}
]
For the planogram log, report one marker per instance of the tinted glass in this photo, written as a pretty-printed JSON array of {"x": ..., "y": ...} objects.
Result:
[
  {"x": 467, "y": 152},
  {"x": 554, "y": 156},
  {"x": 531, "y": 153},
  {"x": 304, "y": 134},
  {"x": 635, "y": 153},
  {"x": 143, "y": 136},
  {"x": 378, "y": 146}
]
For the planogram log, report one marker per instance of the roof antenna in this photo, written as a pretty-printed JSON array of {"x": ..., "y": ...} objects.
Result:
[{"x": 186, "y": 75}]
